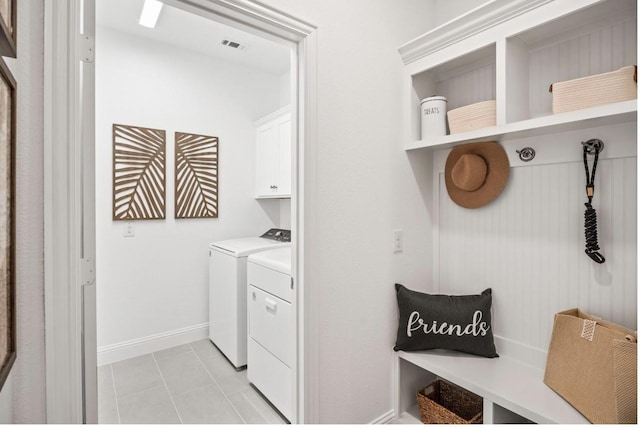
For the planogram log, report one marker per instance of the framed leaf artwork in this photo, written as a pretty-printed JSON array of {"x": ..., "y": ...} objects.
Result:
[
  {"x": 196, "y": 176},
  {"x": 8, "y": 20},
  {"x": 139, "y": 165},
  {"x": 7, "y": 222}
]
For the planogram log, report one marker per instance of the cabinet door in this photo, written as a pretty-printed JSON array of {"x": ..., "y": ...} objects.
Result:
[
  {"x": 283, "y": 173},
  {"x": 273, "y": 158},
  {"x": 266, "y": 145}
]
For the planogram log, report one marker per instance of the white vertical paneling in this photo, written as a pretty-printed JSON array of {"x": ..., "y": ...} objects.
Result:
[
  {"x": 528, "y": 246},
  {"x": 469, "y": 86},
  {"x": 580, "y": 53}
]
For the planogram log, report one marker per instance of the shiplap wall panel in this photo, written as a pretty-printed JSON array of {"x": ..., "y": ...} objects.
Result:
[
  {"x": 469, "y": 86},
  {"x": 600, "y": 50},
  {"x": 528, "y": 246}
]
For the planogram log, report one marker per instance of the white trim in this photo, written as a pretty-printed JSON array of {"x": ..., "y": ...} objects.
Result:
[
  {"x": 384, "y": 419},
  {"x": 304, "y": 266},
  {"x": 62, "y": 252},
  {"x": 152, "y": 343},
  {"x": 250, "y": 16},
  {"x": 272, "y": 116},
  {"x": 464, "y": 26}
]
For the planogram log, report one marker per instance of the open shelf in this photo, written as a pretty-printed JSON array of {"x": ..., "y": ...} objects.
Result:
[
  {"x": 468, "y": 79},
  {"x": 513, "y": 54},
  {"x": 590, "y": 41},
  {"x": 610, "y": 114},
  {"x": 513, "y": 391}
]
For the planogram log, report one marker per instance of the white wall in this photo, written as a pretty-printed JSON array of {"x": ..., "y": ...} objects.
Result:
[
  {"x": 157, "y": 281},
  {"x": 366, "y": 188},
  {"x": 22, "y": 399}
]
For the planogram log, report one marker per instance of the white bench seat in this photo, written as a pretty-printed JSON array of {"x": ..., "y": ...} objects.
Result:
[{"x": 502, "y": 381}]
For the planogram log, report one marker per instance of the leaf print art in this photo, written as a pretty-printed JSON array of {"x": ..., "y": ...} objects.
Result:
[
  {"x": 138, "y": 173},
  {"x": 196, "y": 176}
]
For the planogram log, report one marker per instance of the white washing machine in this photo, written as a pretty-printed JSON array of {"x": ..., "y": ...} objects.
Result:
[
  {"x": 271, "y": 352},
  {"x": 228, "y": 290}
]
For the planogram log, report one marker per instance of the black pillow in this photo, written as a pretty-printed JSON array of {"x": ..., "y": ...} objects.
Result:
[{"x": 431, "y": 321}]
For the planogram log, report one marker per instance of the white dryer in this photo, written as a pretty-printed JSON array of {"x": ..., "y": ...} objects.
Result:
[
  {"x": 228, "y": 290},
  {"x": 271, "y": 351}
]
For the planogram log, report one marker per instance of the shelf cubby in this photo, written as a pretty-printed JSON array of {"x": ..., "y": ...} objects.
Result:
[
  {"x": 467, "y": 79},
  {"x": 594, "y": 40}
]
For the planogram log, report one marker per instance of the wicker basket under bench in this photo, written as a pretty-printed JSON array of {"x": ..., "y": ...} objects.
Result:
[
  {"x": 512, "y": 392},
  {"x": 445, "y": 403}
]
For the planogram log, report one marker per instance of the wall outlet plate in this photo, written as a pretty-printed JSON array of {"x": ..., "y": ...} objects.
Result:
[
  {"x": 128, "y": 230},
  {"x": 397, "y": 241}
]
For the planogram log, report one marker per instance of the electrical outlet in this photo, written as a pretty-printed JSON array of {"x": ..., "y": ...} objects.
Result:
[
  {"x": 397, "y": 241},
  {"x": 129, "y": 230}
]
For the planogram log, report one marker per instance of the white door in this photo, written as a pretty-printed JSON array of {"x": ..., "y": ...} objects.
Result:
[{"x": 88, "y": 232}]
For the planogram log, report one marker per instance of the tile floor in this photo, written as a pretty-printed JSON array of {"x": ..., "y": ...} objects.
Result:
[{"x": 189, "y": 384}]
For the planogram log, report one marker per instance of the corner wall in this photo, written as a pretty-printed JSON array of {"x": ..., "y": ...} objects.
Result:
[
  {"x": 365, "y": 189},
  {"x": 156, "y": 283}
]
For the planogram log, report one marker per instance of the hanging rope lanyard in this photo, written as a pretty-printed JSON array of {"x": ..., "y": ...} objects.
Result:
[{"x": 590, "y": 219}]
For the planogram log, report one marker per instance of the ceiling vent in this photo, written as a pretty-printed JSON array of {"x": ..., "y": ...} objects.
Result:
[{"x": 232, "y": 44}]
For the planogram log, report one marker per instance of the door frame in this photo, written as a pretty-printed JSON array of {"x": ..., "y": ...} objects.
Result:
[{"x": 69, "y": 170}]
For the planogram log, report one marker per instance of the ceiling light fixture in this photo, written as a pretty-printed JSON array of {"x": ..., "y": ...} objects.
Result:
[{"x": 150, "y": 13}]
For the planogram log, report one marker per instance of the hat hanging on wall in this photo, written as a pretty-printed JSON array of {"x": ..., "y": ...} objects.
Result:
[{"x": 476, "y": 173}]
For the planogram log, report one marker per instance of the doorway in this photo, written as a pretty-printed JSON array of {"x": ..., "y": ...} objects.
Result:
[
  {"x": 161, "y": 88},
  {"x": 71, "y": 356}
]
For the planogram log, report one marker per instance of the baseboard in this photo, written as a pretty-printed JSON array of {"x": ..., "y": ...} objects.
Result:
[
  {"x": 384, "y": 419},
  {"x": 156, "y": 342}
]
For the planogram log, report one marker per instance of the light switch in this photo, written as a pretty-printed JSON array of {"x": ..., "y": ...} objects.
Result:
[
  {"x": 129, "y": 230},
  {"x": 397, "y": 241}
]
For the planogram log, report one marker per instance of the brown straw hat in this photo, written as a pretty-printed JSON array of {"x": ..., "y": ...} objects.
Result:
[{"x": 476, "y": 173}]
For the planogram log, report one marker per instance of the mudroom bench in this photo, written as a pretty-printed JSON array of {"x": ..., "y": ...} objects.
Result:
[{"x": 512, "y": 391}]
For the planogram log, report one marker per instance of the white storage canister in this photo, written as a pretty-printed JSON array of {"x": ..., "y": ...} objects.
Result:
[{"x": 433, "y": 111}]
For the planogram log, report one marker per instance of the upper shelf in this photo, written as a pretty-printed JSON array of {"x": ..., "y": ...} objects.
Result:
[
  {"x": 510, "y": 51},
  {"x": 610, "y": 114}
]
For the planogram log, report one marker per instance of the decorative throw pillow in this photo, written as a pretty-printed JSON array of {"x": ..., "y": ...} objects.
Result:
[{"x": 432, "y": 321}]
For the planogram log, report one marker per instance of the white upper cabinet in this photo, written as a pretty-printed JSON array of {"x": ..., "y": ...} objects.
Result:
[
  {"x": 273, "y": 155},
  {"x": 511, "y": 51}
]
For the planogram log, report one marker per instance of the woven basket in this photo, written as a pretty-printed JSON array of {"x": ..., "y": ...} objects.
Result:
[
  {"x": 445, "y": 403},
  {"x": 472, "y": 116},
  {"x": 595, "y": 90}
]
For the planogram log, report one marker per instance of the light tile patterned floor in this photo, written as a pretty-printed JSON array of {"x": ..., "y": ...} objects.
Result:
[{"x": 189, "y": 384}]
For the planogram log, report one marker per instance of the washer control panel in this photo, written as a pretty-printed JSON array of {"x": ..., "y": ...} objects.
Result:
[{"x": 282, "y": 235}]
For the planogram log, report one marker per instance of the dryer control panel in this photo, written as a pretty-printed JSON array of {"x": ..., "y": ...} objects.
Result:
[{"x": 282, "y": 235}]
